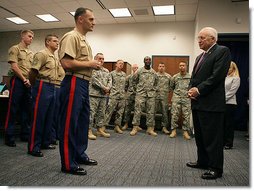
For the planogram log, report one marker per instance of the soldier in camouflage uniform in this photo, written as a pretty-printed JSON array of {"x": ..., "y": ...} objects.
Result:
[
  {"x": 146, "y": 80},
  {"x": 180, "y": 101},
  {"x": 130, "y": 88},
  {"x": 116, "y": 96},
  {"x": 99, "y": 87},
  {"x": 163, "y": 90}
]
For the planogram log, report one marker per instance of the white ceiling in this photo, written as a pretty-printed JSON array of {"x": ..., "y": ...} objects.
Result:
[{"x": 141, "y": 10}]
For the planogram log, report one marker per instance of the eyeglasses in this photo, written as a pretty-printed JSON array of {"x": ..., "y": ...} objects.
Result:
[{"x": 204, "y": 37}]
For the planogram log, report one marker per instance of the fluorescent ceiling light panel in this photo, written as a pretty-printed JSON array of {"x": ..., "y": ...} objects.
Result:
[
  {"x": 47, "y": 18},
  {"x": 121, "y": 12},
  {"x": 164, "y": 10},
  {"x": 72, "y": 13},
  {"x": 17, "y": 20}
]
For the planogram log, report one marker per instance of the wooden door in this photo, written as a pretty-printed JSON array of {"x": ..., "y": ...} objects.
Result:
[
  {"x": 111, "y": 66},
  {"x": 172, "y": 67}
]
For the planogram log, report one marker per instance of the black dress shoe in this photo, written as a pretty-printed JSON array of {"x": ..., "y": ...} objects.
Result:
[
  {"x": 78, "y": 171},
  {"x": 24, "y": 139},
  {"x": 49, "y": 147},
  {"x": 89, "y": 162},
  {"x": 228, "y": 147},
  {"x": 10, "y": 144},
  {"x": 35, "y": 153},
  {"x": 211, "y": 174},
  {"x": 196, "y": 165},
  {"x": 54, "y": 143}
]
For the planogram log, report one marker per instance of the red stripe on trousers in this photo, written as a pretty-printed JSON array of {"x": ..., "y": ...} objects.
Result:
[
  {"x": 9, "y": 104},
  {"x": 67, "y": 123},
  {"x": 35, "y": 116}
]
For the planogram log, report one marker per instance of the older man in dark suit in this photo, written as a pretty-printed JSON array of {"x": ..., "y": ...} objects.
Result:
[{"x": 207, "y": 95}]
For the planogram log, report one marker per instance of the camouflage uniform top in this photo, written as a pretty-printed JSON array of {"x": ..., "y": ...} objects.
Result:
[
  {"x": 179, "y": 84},
  {"x": 163, "y": 85},
  {"x": 117, "y": 90},
  {"x": 146, "y": 81},
  {"x": 22, "y": 56},
  {"x": 100, "y": 80},
  {"x": 130, "y": 85}
]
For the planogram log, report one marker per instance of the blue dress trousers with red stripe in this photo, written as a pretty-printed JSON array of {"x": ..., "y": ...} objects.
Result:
[
  {"x": 19, "y": 100},
  {"x": 43, "y": 95},
  {"x": 73, "y": 121}
]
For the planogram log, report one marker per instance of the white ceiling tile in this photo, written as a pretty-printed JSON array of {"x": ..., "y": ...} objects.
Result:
[
  {"x": 69, "y": 5},
  {"x": 139, "y": 3},
  {"x": 114, "y": 4},
  {"x": 34, "y": 9},
  {"x": 140, "y": 9},
  {"x": 186, "y": 1},
  {"x": 162, "y": 2},
  {"x": 186, "y": 9},
  {"x": 91, "y": 4},
  {"x": 103, "y": 13}
]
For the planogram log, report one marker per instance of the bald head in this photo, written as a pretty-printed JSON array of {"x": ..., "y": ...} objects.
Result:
[
  {"x": 134, "y": 68},
  {"x": 207, "y": 37}
]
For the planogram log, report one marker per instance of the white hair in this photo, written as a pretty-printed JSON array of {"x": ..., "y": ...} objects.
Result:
[{"x": 211, "y": 31}]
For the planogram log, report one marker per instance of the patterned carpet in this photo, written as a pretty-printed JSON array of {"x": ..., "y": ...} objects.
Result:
[{"x": 126, "y": 161}]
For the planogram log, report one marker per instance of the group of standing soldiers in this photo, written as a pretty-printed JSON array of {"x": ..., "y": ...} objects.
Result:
[{"x": 144, "y": 91}]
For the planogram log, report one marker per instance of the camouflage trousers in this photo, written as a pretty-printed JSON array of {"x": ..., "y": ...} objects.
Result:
[
  {"x": 97, "y": 111},
  {"x": 161, "y": 106},
  {"x": 148, "y": 104},
  {"x": 115, "y": 105},
  {"x": 181, "y": 106},
  {"x": 129, "y": 107}
]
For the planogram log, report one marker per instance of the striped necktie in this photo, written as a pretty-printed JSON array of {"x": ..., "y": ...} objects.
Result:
[{"x": 199, "y": 62}]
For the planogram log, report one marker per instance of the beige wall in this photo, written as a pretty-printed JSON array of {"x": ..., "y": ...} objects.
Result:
[
  {"x": 131, "y": 42},
  {"x": 222, "y": 15}
]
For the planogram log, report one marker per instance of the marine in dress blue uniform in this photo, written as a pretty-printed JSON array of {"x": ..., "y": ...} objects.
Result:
[{"x": 75, "y": 56}]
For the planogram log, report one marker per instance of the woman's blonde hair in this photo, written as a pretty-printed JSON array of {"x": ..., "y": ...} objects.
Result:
[{"x": 235, "y": 69}]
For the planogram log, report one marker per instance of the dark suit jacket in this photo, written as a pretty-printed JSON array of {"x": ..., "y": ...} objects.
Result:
[{"x": 210, "y": 78}]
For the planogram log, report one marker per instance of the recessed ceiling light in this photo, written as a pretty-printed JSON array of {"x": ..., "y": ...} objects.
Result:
[
  {"x": 17, "y": 20},
  {"x": 164, "y": 10},
  {"x": 47, "y": 18},
  {"x": 121, "y": 12}
]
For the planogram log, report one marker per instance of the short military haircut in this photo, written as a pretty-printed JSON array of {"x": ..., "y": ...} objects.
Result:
[
  {"x": 147, "y": 57},
  {"x": 162, "y": 63},
  {"x": 80, "y": 11},
  {"x": 119, "y": 61},
  {"x": 184, "y": 63},
  {"x": 99, "y": 53},
  {"x": 26, "y": 31},
  {"x": 49, "y": 37}
]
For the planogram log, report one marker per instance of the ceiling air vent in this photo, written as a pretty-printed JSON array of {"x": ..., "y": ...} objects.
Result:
[{"x": 141, "y": 12}]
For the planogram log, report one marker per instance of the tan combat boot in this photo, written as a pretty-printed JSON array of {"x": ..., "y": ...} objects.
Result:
[
  {"x": 125, "y": 127},
  {"x": 150, "y": 131},
  {"x": 104, "y": 129},
  {"x": 164, "y": 130},
  {"x": 134, "y": 130},
  {"x": 91, "y": 136},
  {"x": 173, "y": 134},
  {"x": 139, "y": 128},
  {"x": 118, "y": 130},
  {"x": 186, "y": 135},
  {"x": 102, "y": 133}
]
